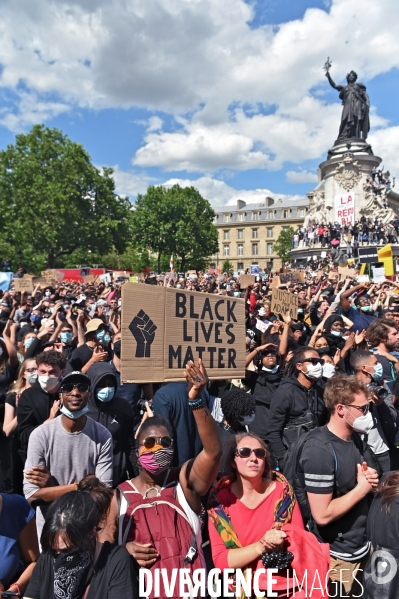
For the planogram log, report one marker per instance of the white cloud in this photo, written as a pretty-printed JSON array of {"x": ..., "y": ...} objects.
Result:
[
  {"x": 129, "y": 183},
  {"x": 200, "y": 56},
  {"x": 219, "y": 193},
  {"x": 301, "y": 176},
  {"x": 385, "y": 144}
]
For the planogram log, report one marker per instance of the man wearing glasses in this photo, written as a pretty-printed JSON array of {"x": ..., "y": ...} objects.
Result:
[
  {"x": 65, "y": 449},
  {"x": 338, "y": 480}
]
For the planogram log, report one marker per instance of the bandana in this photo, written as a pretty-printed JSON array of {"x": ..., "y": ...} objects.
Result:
[
  {"x": 157, "y": 459},
  {"x": 70, "y": 574}
]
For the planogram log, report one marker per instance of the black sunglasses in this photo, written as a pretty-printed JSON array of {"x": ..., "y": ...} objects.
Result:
[
  {"x": 69, "y": 387},
  {"x": 364, "y": 409},
  {"x": 245, "y": 452},
  {"x": 150, "y": 442},
  {"x": 314, "y": 361}
]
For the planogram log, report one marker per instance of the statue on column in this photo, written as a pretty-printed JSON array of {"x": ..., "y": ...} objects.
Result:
[{"x": 355, "y": 122}]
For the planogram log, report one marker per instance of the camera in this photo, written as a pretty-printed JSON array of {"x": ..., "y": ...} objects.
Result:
[{"x": 378, "y": 390}]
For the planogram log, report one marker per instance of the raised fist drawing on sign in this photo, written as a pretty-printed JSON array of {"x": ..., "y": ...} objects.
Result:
[{"x": 143, "y": 330}]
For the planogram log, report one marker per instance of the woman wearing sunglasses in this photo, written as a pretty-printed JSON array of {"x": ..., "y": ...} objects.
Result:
[
  {"x": 158, "y": 510},
  {"x": 249, "y": 510}
]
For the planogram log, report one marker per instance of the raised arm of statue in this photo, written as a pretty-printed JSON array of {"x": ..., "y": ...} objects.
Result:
[{"x": 331, "y": 82}]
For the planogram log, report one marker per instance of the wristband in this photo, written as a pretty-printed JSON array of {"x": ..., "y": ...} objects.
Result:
[
  {"x": 76, "y": 486},
  {"x": 15, "y": 584},
  {"x": 196, "y": 405}
]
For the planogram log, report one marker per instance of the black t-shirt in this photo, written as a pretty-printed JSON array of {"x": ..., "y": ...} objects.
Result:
[
  {"x": 80, "y": 356},
  {"x": 383, "y": 527},
  {"x": 331, "y": 467},
  {"x": 11, "y": 399}
]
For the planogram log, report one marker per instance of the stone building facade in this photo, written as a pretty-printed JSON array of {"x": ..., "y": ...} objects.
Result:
[{"x": 247, "y": 232}]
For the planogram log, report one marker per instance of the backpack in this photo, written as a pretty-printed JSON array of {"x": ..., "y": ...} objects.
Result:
[{"x": 294, "y": 475}]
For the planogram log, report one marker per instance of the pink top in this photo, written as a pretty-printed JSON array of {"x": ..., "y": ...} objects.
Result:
[{"x": 250, "y": 526}]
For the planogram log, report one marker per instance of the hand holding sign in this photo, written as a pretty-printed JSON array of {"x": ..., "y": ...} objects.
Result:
[{"x": 143, "y": 330}]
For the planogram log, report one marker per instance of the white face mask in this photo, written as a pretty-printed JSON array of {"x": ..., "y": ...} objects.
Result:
[
  {"x": 31, "y": 377},
  {"x": 272, "y": 370},
  {"x": 48, "y": 383},
  {"x": 314, "y": 372},
  {"x": 328, "y": 370},
  {"x": 337, "y": 333},
  {"x": 362, "y": 424}
]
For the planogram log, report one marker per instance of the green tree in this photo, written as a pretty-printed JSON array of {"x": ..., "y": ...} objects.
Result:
[
  {"x": 283, "y": 244},
  {"x": 176, "y": 221},
  {"x": 228, "y": 267},
  {"x": 55, "y": 205}
]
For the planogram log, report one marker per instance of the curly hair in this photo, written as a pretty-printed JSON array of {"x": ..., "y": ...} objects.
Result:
[
  {"x": 378, "y": 330},
  {"x": 236, "y": 403},
  {"x": 342, "y": 389},
  {"x": 51, "y": 358}
]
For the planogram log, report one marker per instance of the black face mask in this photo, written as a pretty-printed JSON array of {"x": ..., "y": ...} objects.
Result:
[
  {"x": 323, "y": 351},
  {"x": 117, "y": 348},
  {"x": 70, "y": 574}
]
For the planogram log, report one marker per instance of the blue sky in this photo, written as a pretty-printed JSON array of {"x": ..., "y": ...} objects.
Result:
[{"x": 229, "y": 96}]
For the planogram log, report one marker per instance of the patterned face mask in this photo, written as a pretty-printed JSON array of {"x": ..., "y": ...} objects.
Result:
[
  {"x": 70, "y": 573},
  {"x": 157, "y": 459}
]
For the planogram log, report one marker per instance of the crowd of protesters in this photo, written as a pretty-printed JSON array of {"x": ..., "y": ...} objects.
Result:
[
  {"x": 350, "y": 237},
  {"x": 293, "y": 467}
]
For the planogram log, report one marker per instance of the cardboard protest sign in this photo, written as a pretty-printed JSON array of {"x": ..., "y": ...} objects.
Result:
[
  {"x": 291, "y": 277},
  {"x": 44, "y": 282},
  {"x": 24, "y": 284},
  {"x": 88, "y": 279},
  {"x": 283, "y": 300},
  {"x": 105, "y": 278},
  {"x": 246, "y": 280},
  {"x": 53, "y": 274},
  {"x": 163, "y": 328},
  {"x": 333, "y": 276},
  {"x": 345, "y": 272},
  {"x": 275, "y": 282},
  {"x": 362, "y": 278}
]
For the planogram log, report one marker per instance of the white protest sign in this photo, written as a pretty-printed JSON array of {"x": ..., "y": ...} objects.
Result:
[{"x": 344, "y": 209}]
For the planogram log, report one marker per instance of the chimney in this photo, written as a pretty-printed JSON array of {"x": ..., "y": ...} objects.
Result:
[
  {"x": 269, "y": 202},
  {"x": 241, "y": 204}
]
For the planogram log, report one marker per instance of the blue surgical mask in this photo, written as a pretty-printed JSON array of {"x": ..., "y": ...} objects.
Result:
[
  {"x": 237, "y": 294},
  {"x": 66, "y": 306},
  {"x": 178, "y": 286},
  {"x": 105, "y": 394},
  {"x": 66, "y": 337},
  {"x": 378, "y": 371},
  {"x": 271, "y": 370},
  {"x": 337, "y": 333},
  {"x": 366, "y": 309},
  {"x": 103, "y": 336},
  {"x": 73, "y": 415},
  {"x": 28, "y": 342}
]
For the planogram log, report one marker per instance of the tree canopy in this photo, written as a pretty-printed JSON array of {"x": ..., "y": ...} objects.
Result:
[
  {"x": 176, "y": 221},
  {"x": 54, "y": 203},
  {"x": 283, "y": 244}
]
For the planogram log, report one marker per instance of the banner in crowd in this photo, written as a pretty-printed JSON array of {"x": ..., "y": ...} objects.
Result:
[
  {"x": 163, "y": 328},
  {"x": 344, "y": 209},
  {"x": 5, "y": 280},
  {"x": 246, "y": 280},
  {"x": 24, "y": 284},
  {"x": 283, "y": 301}
]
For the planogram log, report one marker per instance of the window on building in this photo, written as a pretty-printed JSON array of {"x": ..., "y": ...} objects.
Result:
[
  {"x": 270, "y": 214},
  {"x": 226, "y": 250},
  {"x": 286, "y": 213},
  {"x": 241, "y": 217},
  {"x": 254, "y": 233},
  {"x": 269, "y": 248},
  {"x": 254, "y": 249},
  {"x": 285, "y": 228},
  {"x": 301, "y": 211},
  {"x": 226, "y": 234},
  {"x": 255, "y": 215},
  {"x": 270, "y": 231},
  {"x": 240, "y": 266},
  {"x": 240, "y": 233},
  {"x": 226, "y": 218},
  {"x": 240, "y": 249}
]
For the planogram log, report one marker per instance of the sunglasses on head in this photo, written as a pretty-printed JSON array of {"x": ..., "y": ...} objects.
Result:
[
  {"x": 69, "y": 387},
  {"x": 150, "y": 442},
  {"x": 314, "y": 361},
  {"x": 245, "y": 452}
]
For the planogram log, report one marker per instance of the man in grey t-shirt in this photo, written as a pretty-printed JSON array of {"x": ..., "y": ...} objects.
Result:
[{"x": 64, "y": 450}]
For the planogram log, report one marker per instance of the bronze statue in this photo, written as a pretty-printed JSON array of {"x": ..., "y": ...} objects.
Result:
[{"x": 355, "y": 122}]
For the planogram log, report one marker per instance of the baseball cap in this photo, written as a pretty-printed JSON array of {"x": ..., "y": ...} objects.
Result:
[{"x": 76, "y": 377}]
